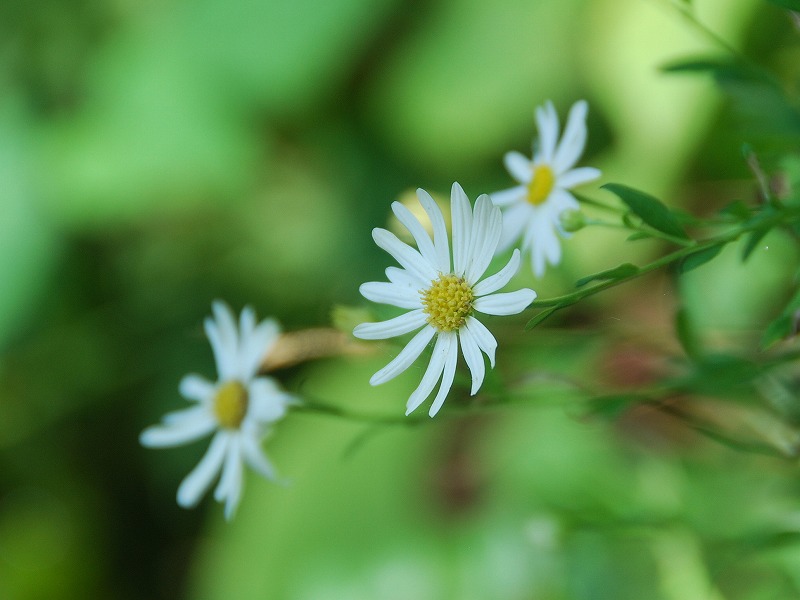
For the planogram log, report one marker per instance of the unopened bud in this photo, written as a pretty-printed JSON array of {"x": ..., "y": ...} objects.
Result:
[{"x": 572, "y": 220}]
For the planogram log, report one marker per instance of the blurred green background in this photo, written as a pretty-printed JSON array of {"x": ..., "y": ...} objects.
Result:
[{"x": 155, "y": 156}]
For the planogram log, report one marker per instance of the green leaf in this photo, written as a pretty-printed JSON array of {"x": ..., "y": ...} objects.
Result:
[
  {"x": 737, "y": 209},
  {"x": 701, "y": 257},
  {"x": 650, "y": 209},
  {"x": 780, "y": 328},
  {"x": 540, "y": 317},
  {"x": 687, "y": 336},
  {"x": 790, "y": 4},
  {"x": 620, "y": 272},
  {"x": 752, "y": 242},
  {"x": 715, "y": 66}
]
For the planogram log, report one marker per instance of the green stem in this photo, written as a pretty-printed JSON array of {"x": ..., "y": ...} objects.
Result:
[{"x": 726, "y": 238}]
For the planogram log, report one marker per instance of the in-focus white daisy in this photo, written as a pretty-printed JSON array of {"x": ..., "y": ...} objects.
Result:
[
  {"x": 443, "y": 297},
  {"x": 532, "y": 209},
  {"x": 239, "y": 407}
]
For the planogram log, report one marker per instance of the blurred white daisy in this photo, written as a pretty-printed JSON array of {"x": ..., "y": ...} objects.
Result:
[
  {"x": 442, "y": 298},
  {"x": 239, "y": 407},
  {"x": 532, "y": 209}
]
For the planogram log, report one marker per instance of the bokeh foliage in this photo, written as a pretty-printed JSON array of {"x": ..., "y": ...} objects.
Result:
[{"x": 155, "y": 156}]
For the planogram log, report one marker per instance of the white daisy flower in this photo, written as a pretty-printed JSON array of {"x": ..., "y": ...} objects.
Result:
[
  {"x": 239, "y": 407},
  {"x": 532, "y": 209},
  {"x": 442, "y": 298}
]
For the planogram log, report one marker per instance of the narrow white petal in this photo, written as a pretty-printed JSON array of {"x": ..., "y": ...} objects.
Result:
[
  {"x": 256, "y": 347},
  {"x": 254, "y": 456},
  {"x": 441, "y": 350},
  {"x": 178, "y": 417},
  {"x": 417, "y": 231},
  {"x": 247, "y": 322},
  {"x": 179, "y": 431},
  {"x": 407, "y": 356},
  {"x": 393, "y": 327},
  {"x": 515, "y": 219},
  {"x": 574, "y": 139},
  {"x": 404, "y": 278},
  {"x": 390, "y": 293},
  {"x": 483, "y": 337},
  {"x": 199, "y": 480},
  {"x": 473, "y": 357},
  {"x": 223, "y": 347},
  {"x": 461, "y": 214},
  {"x": 547, "y": 124},
  {"x": 230, "y": 483},
  {"x": 518, "y": 166},
  {"x": 404, "y": 254},
  {"x": 576, "y": 177},
  {"x": 499, "y": 279},
  {"x": 510, "y": 196},
  {"x": 267, "y": 401},
  {"x": 447, "y": 378},
  {"x": 487, "y": 228},
  {"x": 440, "y": 240},
  {"x": 509, "y": 303},
  {"x": 196, "y": 387}
]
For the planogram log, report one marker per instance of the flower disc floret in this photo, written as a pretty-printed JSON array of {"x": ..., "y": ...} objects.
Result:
[
  {"x": 448, "y": 302},
  {"x": 541, "y": 184},
  {"x": 230, "y": 404}
]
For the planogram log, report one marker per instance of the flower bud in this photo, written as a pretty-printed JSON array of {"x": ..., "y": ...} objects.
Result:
[{"x": 572, "y": 220}]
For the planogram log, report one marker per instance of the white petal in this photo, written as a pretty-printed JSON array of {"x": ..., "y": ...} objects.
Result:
[
  {"x": 447, "y": 377},
  {"x": 185, "y": 415},
  {"x": 483, "y": 337},
  {"x": 404, "y": 278},
  {"x": 515, "y": 219},
  {"x": 404, "y": 254},
  {"x": 255, "y": 457},
  {"x": 230, "y": 483},
  {"x": 417, "y": 231},
  {"x": 247, "y": 322},
  {"x": 576, "y": 177},
  {"x": 407, "y": 356},
  {"x": 224, "y": 344},
  {"x": 393, "y": 327},
  {"x": 473, "y": 357},
  {"x": 267, "y": 401},
  {"x": 390, "y": 293},
  {"x": 518, "y": 166},
  {"x": 510, "y": 196},
  {"x": 441, "y": 350},
  {"x": 487, "y": 225},
  {"x": 256, "y": 347},
  {"x": 197, "y": 388},
  {"x": 499, "y": 279},
  {"x": 440, "y": 240},
  {"x": 539, "y": 236},
  {"x": 197, "y": 424},
  {"x": 461, "y": 214},
  {"x": 509, "y": 303},
  {"x": 199, "y": 480},
  {"x": 574, "y": 139},
  {"x": 547, "y": 124}
]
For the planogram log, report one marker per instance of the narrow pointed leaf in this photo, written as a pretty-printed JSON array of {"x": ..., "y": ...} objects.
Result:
[
  {"x": 540, "y": 317},
  {"x": 699, "y": 258},
  {"x": 651, "y": 210},
  {"x": 620, "y": 272}
]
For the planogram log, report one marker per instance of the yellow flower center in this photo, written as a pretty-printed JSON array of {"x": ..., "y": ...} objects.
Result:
[
  {"x": 448, "y": 302},
  {"x": 541, "y": 184},
  {"x": 230, "y": 404}
]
